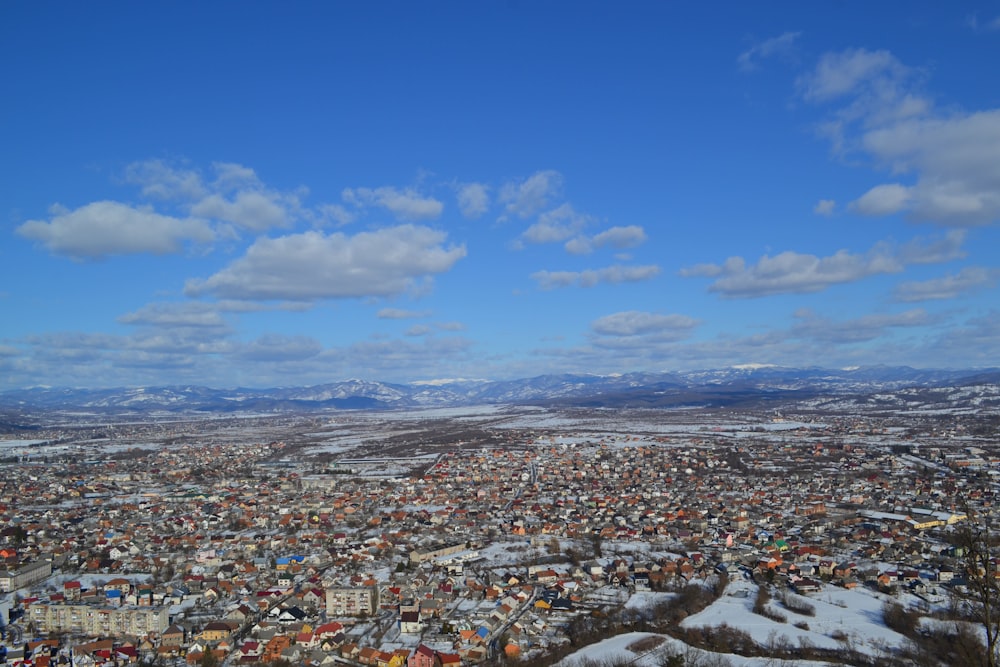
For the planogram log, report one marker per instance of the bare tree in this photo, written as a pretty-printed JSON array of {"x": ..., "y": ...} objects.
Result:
[{"x": 978, "y": 547}]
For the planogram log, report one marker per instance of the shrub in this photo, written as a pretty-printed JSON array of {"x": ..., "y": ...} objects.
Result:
[
  {"x": 760, "y": 606},
  {"x": 897, "y": 618},
  {"x": 763, "y": 597},
  {"x": 796, "y": 604}
]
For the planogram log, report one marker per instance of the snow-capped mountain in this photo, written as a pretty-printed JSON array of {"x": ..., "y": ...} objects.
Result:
[{"x": 726, "y": 386}]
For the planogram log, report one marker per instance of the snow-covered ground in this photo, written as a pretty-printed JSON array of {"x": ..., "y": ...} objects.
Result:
[
  {"x": 470, "y": 412},
  {"x": 645, "y": 600},
  {"x": 638, "y": 648},
  {"x": 20, "y": 443},
  {"x": 842, "y": 616}
]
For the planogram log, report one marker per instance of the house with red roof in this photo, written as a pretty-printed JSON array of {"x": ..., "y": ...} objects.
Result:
[{"x": 423, "y": 656}]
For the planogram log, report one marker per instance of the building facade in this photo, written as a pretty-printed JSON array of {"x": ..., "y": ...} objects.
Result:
[
  {"x": 11, "y": 580},
  {"x": 352, "y": 601},
  {"x": 421, "y": 555},
  {"x": 98, "y": 621}
]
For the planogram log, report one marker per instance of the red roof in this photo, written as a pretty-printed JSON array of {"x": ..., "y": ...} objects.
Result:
[{"x": 329, "y": 629}]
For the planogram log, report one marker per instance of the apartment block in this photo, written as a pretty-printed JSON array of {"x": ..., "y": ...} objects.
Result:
[
  {"x": 351, "y": 601},
  {"x": 11, "y": 580},
  {"x": 98, "y": 621}
]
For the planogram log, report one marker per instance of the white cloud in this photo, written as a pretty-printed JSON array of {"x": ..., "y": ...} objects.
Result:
[
  {"x": 230, "y": 176},
  {"x": 579, "y": 245},
  {"x": 620, "y": 237},
  {"x": 955, "y": 162},
  {"x": 589, "y": 278},
  {"x": 177, "y": 340},
  {"x": 405, "y": 204},
  {"x": 473, "y": 199},
  {"x": 969, "y": 279},
  {"x": 424, "y": 356},
  {"x": 187, "y": 314},
  {"x": 334, "y": 213},
  {"x": 83, "y": 357},
  {"x": 193, "y": 320},
  {"x": 450, "y": 326},
  {"x": 797, "y": 273},
  {"x": 158, "y": 179},
  {"x": 879, "y": 112},
  {"x": 311, "y": 265},
  {"x": 825, "y": 207},
  {"x": 615, "y": 237},
  {"x": 526, "y": 198},
  {"x": 183, "y": 355},
  {"x": 792, "y": 272},
  {"x": 857, "y": 330},
  {"x": 417, "y": 330},
  {"x": 780, "y": 45},
  {"x": 977, "y": 343},
  {"x": 870, "y": 88},
  {"x": 713, "y": 270},
  {"x": 255, "y": 211},
  {"x": 235, "y": 195},
  {"x": 880, "y": 338},
  {"x": 556, "y": 225},
  {"x": 989, "y": 25},
  {"x": 844, "y": 73},
  {"x": 883, "y": 200},
  {"x": 400, "y": 314},
  {"x": 280, "y": 348},
  {"x": 636, "y": 323},
  {"x": 922, "y": 250},
  {"x": 106, "y": 228}
]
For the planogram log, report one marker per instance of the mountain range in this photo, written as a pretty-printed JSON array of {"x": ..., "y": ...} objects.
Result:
[{"x": 749, "y": 385}]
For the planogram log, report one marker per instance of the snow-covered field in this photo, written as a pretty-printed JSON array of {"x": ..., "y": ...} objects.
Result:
[
  {"x": 472, "y": 412},
  {"x": 855, "y": 615},
  {"x": 843, "y": 618},
  {"x": 634, "y": 647},
  {"x": 20, "y": 443}
]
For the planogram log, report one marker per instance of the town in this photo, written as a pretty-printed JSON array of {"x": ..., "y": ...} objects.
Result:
[{"x": 472, "y": 535}]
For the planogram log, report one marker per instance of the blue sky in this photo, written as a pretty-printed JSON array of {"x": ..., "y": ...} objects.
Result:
[{"x": 263, "y": 194}]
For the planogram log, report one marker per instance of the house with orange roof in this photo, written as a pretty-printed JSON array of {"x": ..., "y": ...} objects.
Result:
[
  {"x": 368, "y": 655},
  {"x": 274, "y": 647}
]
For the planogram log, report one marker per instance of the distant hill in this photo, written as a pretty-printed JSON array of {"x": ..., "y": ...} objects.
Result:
[{"x": 748, "y": 386}]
